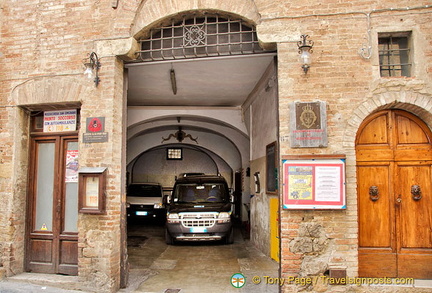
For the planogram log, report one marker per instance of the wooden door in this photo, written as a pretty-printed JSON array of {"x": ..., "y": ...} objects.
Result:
[
  {"x": 394, "y": 173},
  {"x": 52, "y": 234}
]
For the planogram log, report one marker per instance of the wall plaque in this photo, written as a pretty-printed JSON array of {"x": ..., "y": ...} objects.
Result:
[
  {"x": 308, "y": 124},
  {"x": 95, "y": 130}
]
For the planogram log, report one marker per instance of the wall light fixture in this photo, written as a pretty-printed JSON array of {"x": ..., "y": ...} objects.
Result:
[
  {"x": 92, "y": 66},
  {"x": 305, "y": 50}
]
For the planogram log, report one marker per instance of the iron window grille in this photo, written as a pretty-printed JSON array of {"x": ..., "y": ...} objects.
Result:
[
  {"x": 394, "y": 54},
  {"x": 174, "y": 154},
  {"x": 204, "y": 36}
]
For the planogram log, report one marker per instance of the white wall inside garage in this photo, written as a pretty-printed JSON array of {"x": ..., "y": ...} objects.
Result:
[
  {"x": 152, "y": 166},
  {"x": 262, "y": 116}
]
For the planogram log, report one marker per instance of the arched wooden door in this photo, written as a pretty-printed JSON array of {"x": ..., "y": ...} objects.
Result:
[{"x": 394, "y": 175}]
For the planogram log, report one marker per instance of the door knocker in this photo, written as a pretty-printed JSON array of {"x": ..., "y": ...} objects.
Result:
[
  {"x": 373, "y": 193},
  {"x": 416, "y": 192}
]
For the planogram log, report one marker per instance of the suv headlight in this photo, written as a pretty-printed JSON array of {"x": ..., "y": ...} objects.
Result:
[
  {"x": 224, "y": 217},
  {"x": 173, "y": 218}
]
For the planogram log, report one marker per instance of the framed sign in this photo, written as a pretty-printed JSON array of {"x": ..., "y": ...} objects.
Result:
[
  {"x": 314, "y": 183},
  {"x": 91, "y": 191},
  {"x": 271, "y": 168}
]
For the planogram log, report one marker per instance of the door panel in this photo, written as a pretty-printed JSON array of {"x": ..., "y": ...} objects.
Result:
[
  {"x": 395, "y": 230},
  {"x": 375, "y": 132},
  {"x": 377, "y": 252},
  {"x": 45, "y": 154},
  {"x": 409, "y": 132},
  {"x": 375, "y": 224},
  {"x": 415, "y": 216},
  {"x": 415, "y": 221},
  {"x": 52, "y": 238}
]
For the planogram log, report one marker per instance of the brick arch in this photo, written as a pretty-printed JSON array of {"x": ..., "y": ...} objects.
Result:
[
  {"x": 412, "y": 102},
  {"x": 151, "y": 12},
  {"x": 51, "y": 90}
]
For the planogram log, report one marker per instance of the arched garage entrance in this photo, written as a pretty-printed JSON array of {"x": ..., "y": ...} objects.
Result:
[{"x": 206, "y": 76}]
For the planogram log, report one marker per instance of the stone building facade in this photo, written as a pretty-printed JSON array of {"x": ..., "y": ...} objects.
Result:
[{"x": 42, "y": 47}]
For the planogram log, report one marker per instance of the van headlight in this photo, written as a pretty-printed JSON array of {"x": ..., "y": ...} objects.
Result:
[
  {"x": 224, "y": 217},
  {"x": 158, "y": 205},
  {"x": 173, "y": 218}
]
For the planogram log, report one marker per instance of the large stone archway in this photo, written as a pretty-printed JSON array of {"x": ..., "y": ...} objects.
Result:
[{"x": 152, "y": 12}]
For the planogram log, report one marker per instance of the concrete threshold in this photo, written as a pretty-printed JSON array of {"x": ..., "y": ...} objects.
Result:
[{"x": 68, "y": 283}]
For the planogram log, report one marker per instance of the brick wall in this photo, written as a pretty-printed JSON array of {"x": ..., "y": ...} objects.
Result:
[{"x": 352, "y": 89}]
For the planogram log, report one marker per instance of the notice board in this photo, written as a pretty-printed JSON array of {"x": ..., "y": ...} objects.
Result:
[{"x": 314, "y": 183}]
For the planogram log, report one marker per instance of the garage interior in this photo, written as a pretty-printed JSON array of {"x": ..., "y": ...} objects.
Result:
[{"x": 216, "y": 108}]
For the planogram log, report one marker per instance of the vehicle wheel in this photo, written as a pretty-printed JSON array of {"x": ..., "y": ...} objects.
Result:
[
  {"x": 230, "y": 237},
  {"x": 168, "y": 239}
]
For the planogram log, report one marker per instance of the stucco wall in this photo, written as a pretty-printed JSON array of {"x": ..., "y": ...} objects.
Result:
[{"x": 263, "y": 125}]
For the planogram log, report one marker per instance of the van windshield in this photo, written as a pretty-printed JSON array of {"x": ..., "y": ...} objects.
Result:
[
  {"x": 143, "y": 190},
  {"x": 207, "y": 192}
]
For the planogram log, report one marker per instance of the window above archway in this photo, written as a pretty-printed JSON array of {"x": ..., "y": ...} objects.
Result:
[{"x": 199, "y": 36}]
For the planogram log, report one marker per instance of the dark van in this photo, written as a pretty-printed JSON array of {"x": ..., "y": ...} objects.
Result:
[{"x": 199, "y": 209}]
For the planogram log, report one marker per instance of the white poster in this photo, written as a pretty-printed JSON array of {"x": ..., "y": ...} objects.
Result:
[{"x": 327, "y": 183}]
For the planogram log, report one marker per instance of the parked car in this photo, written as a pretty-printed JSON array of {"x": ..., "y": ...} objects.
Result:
[
  {"x": 199, "y": 209},
  {"x": 145, "y": 200},
  {"x": 190, "y": 174}
]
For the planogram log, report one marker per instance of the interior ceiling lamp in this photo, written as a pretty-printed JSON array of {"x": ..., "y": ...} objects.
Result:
[
  {"x": 305, "y": 50},
  {"x": 180, "y": 135},
  {"x": 92, "y": 66}
]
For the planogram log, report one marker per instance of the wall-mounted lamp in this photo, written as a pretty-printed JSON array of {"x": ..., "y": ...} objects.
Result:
[
  {"x": 92, "y": 68},
  {"x": 305, "y": 50}
]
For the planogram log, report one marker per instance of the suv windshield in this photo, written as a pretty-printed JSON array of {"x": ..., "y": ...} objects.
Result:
[
  {"x": 142, "y": 190},
  {"x": 207, "y": 192}
]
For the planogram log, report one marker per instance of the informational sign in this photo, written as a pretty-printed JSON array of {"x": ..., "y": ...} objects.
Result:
[
  {"x": 95, "y": 130},
  {"x": 314, "y": 184},
  {"x": 92, "y": 192},
  {"x": 308, "y": 124},
  {"x": 59, "y": 121}
]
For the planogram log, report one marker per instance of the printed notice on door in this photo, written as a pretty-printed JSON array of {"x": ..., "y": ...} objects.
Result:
[{"x": 314, "y": 184}]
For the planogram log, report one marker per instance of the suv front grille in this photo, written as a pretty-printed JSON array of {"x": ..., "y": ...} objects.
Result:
[{"x": 190, "y": 220}]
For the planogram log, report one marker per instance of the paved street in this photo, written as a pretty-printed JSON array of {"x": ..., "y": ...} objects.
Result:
[{"x": 184, "y": 268}]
